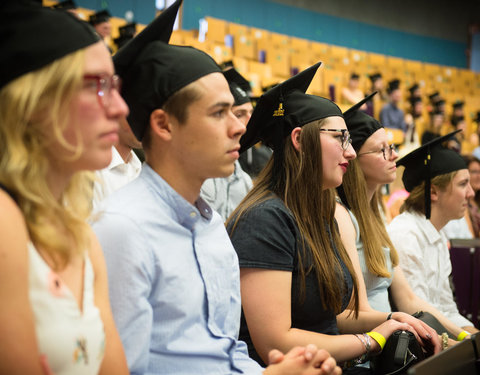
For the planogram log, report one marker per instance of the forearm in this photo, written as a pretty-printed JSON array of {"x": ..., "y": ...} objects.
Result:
[
  {"x": 341, "y": 347},
  {"x": 366, "y": 321}
]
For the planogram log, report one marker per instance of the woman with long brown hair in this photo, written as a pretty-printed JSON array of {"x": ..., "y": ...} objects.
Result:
[{"x": 296, "y": 276}]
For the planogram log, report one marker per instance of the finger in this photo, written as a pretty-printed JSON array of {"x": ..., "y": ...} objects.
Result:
[
  {"x": 310, "y": 352},
  {"x": 275, "y": 356},
  {"x": 328, "y": 365}
]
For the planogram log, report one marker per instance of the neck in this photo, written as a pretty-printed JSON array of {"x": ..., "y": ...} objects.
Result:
[
  {"x": 371, "y": 189},
  {"x": 437, "y": 219},
  {"x": 57, "y": 180},
  {"x": 124, "y": 151},
  {"x": 177, "y": 178}
]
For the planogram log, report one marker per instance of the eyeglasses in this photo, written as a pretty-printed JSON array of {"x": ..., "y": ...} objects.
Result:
[
  {"x": 386, "y": 151},
  {"x": 344, "y": 139},
  {"x": 104, "y": 86}
]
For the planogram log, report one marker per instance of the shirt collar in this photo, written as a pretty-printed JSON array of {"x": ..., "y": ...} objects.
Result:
[
  {"x": 431, "y": 233},
  {"x": 182, "y": 211}
]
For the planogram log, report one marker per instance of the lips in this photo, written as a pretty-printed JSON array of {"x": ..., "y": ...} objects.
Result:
[
  {"x": 234, "y": 152},
  {"x": 344, "y": 166}
]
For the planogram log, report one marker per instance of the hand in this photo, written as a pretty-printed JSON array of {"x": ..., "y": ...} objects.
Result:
[
  {"x": 386, "y": 329},
  {"x": 302, "y": 361},
  {"x": 428, "y": 336}
]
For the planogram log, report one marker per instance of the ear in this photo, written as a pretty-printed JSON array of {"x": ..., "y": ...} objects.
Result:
[
  {"x": 295, "y": 137},
  {"x": 433, "y": 193},
  {"x": 160, "y": 124}
]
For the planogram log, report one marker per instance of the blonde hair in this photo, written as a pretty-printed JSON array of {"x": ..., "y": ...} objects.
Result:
[
  {"x": 373, "y": 233},
  {"x": 416, "y": 200},
  {"x": 313, "y": 209},
  {"x": 31, "y": 107}
]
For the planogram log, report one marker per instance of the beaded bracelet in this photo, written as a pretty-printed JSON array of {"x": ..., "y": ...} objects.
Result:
[
  {"x": 365, "y": 340},
  {"x": 378, "y": 338},
  {"x": 461, "y": 336}
]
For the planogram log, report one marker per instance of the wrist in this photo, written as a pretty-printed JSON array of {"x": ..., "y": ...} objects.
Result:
[
  {"x": 462, "y": 335},
  {"x": 389, "y": 316},
  {"x": 378, "y": 338}
]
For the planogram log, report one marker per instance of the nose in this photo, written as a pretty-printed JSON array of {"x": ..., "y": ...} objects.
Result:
[
  {"x": 470, "y": 192},
  {"x": 117, "y": 106},
  {"x": 349, "y": 153},
  {"x": 394, "y": 155},
  {"x": 235, "y": 127}
]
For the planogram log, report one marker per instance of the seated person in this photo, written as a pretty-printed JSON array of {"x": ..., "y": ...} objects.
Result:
[
  {"x": 417, "y": 232},
  {"x": 437, "y": 120},
  {"x": 174, "y": 275},
  {"x": 297, "y": 281},
  {"x": 351, "y": 93},
  {"x": 362, "y": 226},
  {"x": 391, "y": 115}
]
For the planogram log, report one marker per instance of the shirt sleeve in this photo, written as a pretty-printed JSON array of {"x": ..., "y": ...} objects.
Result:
[
  {"x": 411, "y": 259},
  {"x": 130, "y": 283},
  {"x": 265, "y": 237}
]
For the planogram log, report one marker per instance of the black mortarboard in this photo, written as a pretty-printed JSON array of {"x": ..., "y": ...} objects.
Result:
[
  {"x": 360, "y": 125},
  {"x": 415, "y": 99},
  {"x": 232, "y": 75},
  {"x": 439, "y": 102},
  {"x": 240, "y": 96},
  {"x": 99, "y": 17},
  {"x": 128, "y": 29},
  {"x": 65, "y": 5},
  {"x": 159, "y": 29},
  {"x": 457, "y": 119},
  {"x": 427, "y": 162},
  {"x": 159, "y": 72},
  {"x": 477, "y": 117},
  {"x": 374, "y": 77},
  {"x": 393, "y": 85},
  {"x": 414, "y": 87},
  {"x": 458, "y": 104},
  {"x": 33, "y": 37},
  {"x": 285, "y": 107},
  {"x": 434, "y": 96},
  {"x": 354, "y": 76}
]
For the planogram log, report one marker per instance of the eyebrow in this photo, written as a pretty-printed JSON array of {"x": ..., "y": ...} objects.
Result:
[{"x": 220, "y": 104}]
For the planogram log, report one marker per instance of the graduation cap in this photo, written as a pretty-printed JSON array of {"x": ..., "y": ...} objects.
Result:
[
  {"x": 414, "y": 100},
  {"x": 354, "y": 76},
  {"x": 374, "y": 77},
  {"x": 152, "y": 71},
  {"x": 439, "y": 102},
  {"x": 233, "y": 76},
  {"x": 285, "y": 107},
  {"x": 457, "y": 119},
  {"x": 279, "y": 111},
  {"x": 99, "y": 17},
  {"x": 434, "y": 96},
  {"x": 128, "y": 29},
  {"x": 393, "y": 85},
  {"x": 159, "y": 29},
  {"x": 33, "y": 37},
  {"x": 65, "y": 5},
  {"x": 360, "y": 125},
  {"x": 428, "y": 161},
  {"x": 458, "y": 104},
  {"x": 414, "y": 87}
]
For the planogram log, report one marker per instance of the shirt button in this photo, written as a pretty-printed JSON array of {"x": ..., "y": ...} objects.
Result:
[{"x": 193, "y": 214}]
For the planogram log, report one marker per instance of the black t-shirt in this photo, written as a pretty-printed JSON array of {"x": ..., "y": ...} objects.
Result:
[{"x": 268, "y": 237}]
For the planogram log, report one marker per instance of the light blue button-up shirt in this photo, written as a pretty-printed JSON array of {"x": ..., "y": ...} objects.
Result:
[{"x": 173, "y": 280}]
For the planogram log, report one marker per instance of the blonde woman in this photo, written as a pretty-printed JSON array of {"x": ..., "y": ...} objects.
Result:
[
  {"x": 59, "y": 112},
  {"x": 362, "y": 225}
]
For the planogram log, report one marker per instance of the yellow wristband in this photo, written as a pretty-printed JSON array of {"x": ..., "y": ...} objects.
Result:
[
  {"x": 378, "y": 338},
  {"x": 462, "y": 335}
]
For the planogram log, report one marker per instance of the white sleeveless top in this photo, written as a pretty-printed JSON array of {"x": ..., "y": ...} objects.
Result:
[{"x": 73, "y": 341}]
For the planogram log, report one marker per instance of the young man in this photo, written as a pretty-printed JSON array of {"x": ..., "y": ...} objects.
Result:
[
  {"x": 439, "y": 185},
  {"x": 391, "y": 115},
  {"x": 173, "y": 273}
]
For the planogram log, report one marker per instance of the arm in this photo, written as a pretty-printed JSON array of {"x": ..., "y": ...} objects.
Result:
[
  {"x": 129, "y": 283},
  {"x": 348, "y": 235},
  {"x": 19, "y": 353},
  {"x": 407, "y": 301},
  {"x": 267, "y": 312},
  {"x": 114, "y": 361}
]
